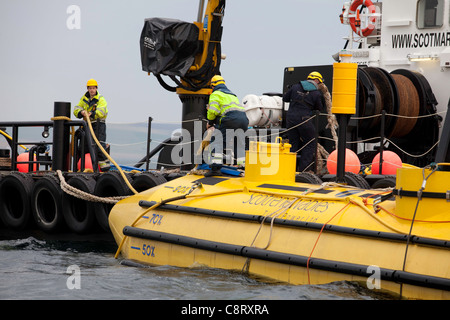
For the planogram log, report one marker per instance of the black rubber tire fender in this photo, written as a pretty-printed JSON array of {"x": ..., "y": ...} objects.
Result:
[
  {"x": 386, "y": 182},
  {"x": 307, "y": 177},
  {"x": 15, "y": 200},
  {"x": 109, "y": 184},
  {"x": 46, "y": 204},
  {"x": 356, "y": 180},
  {"x": 146, "y": 180},
  {"x": 79, "y": 214}
]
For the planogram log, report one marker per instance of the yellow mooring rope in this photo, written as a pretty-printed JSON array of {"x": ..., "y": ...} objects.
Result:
[{"x": 108, "y": 156}]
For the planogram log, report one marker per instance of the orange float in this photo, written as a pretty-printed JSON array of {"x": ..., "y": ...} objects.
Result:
[
  {"x": 352, "y": 163},
  {"x": 391, "y": 162},
  {"x": 23, "y": 167}
]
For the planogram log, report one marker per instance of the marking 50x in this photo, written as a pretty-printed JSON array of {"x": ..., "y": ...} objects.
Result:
[{"x": 147, "y": 250}]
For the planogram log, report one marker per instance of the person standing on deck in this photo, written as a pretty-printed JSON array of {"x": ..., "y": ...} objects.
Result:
[
  {"x": 94, "y": 106},
  {"x": 303, "y": 98},
  {"x": 228, "y": 115}
]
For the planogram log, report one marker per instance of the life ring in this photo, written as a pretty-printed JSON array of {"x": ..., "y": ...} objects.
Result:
[
  {"x": 15, "y": 195},
  {"x": 80, "y": 214},
  {"x": 109, "y": 184},
  {"x": 46, "y": 204},
  {"x": 355, "y": 22}
]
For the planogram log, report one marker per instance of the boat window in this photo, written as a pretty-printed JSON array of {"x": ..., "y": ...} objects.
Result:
[{"x": 430, "y": 13}]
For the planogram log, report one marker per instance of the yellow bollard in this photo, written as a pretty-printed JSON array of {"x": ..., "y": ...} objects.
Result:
[{"x": 344, "y": 88}]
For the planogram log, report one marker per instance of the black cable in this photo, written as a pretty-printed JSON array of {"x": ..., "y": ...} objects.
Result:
[{"x": 419, "y": 197}]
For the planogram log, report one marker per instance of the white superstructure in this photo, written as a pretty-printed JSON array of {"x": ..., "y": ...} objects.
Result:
[{"x": 408, "y": 34}]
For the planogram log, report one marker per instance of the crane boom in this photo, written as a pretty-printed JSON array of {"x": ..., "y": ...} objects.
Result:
[{"x": 190, "y": 55}]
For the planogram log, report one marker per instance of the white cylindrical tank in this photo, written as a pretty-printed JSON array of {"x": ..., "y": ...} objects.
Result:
[{"x": 263, "y": 111}]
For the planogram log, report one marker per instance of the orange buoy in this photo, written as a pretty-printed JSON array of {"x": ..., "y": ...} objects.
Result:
[
  {"x": 391, "y": 162},
  {"x": 87, "y": 162},
  {"x": 23, "y": 167},
  {"x": 352, "y": 163}
]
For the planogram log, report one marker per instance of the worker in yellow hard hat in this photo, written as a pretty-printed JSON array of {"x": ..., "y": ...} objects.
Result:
[
  {"x": 304, "y": 98},
  {"x": 228, "y": 115},
  {"x": 94, "y": 106},
  {"x": 315, "y": 76}
]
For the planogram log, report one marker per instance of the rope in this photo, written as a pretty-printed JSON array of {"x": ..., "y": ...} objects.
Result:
[
  {"x": 324, "y": 185},
  {"x": 397, "y": 115},
  {"x": 317, "y": 240},
  {"x": 67, "y": 188},
  {"x": 355, "y": 200},
  {"x": 185, "y": 196},
  {"x": 268, "y": 118},
  {"x": 195, "y": 186},
  {"x": 364, "y": 140},
  {"x": 322, "y": 155},
  {"x": 108, "y": 156},
  {"x": 272, "y": 215},
  {"x": 119, "y": 249},
  {"x": 373, "y": 215},
  {"x": 279, "y": 133},
  {"x": 60, "y": 118},
  {"x": 331, "y": 118},
  {"x": 412, "y": 155},
  {"x": 88, "y": 120}
]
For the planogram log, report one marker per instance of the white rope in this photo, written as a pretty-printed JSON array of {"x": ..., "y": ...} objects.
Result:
[
  {"x": 67, "y": 188},
  {"x": 413, "y": 155}
]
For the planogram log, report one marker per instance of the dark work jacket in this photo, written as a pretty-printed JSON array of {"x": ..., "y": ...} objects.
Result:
[{"x": 302, "y": 102}]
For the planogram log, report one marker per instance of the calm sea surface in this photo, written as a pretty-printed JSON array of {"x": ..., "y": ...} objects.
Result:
[
  {"x": 33, "y": 266},
  {"x": 43, "y": 269}
]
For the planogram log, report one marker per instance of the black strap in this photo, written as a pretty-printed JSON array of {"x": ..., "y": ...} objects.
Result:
[{"x": 424, "y": 194}]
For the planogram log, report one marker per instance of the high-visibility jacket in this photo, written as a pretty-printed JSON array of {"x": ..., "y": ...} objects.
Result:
[
  {"x": 220, "y": 103},
  {"x": 97, "y": 105}
]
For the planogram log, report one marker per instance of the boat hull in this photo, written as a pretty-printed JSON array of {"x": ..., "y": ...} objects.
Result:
[{"x": 277, "y": 231}]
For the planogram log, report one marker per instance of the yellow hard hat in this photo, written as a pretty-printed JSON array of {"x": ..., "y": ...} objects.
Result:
[
  {"x": 315, "y": 75},
  {"x": 92, "y": 83},
  {"x": 217, "y": 80}
]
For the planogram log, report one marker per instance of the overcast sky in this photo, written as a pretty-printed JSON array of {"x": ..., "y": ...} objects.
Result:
[{"x": 42, "y": 60}]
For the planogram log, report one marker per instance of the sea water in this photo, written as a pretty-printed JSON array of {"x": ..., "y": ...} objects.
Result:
[{"x": 31, "y": 268}]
